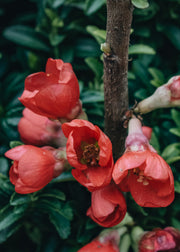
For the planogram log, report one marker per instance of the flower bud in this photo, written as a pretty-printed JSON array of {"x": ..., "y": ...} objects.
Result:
[
  {"x": 165, "y": 96},
  {"x": 167, "y": 239},
  {"x": 39, "y": 130},
  {"x": 33, "y": 167},
  {"x": 53, "y": 93}
]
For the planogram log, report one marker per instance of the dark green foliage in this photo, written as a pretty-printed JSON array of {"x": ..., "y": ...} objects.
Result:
[{"x": 54, "y": 219}]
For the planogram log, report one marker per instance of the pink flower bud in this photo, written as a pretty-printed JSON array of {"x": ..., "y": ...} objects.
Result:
[
  {"x": 165, "y": 96},
  {"x": 39, "y": 130},
  {"x": 167, "y": 239}
]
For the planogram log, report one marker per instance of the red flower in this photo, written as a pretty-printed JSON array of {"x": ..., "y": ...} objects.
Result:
[
  {"x": 89, "y": 150},
  {"x": 39, "y": 130},
  {"x": 97, "y": 246},
  {"x": 55, "y": 93},
  {"x": 160, "y": 240},
  {"x": 108, "y": 206},
  {"x": 33, "y": 167},
  {"x": 143, "y": 172}
]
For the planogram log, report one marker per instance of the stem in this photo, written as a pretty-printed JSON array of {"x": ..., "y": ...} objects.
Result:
[{"x": 119, "y": 18}]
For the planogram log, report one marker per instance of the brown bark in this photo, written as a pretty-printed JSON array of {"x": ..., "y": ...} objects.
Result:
[{"x": 119, "y": 18}]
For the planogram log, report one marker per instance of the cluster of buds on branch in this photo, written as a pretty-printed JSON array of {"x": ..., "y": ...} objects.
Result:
[{"x": 58, "y": 138}]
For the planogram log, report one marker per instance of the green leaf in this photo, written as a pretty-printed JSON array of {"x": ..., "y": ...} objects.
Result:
[
  {"x": 65, "y": 176},
  {"x": 93, "y": 5},
  {"x": 26, "y": 36},
  {"x": 52, "y": 193},
  {"x": 141, "y": 93},
  {"x": 177, "y": 186},
  {"x": 131, "y": 76},
  {"x": 141, "y": 49},
  {"x": 10, "y": 230},
  {"x": 4, "y": 165},
  {"x": 57, "y": 3},
  {"x": 158, "y": 77},
  {"x": 61, "y": 224},
  {"x": 5, "y": 185},
  {"x": 9, "y": 215},
  {"x": 54, "y": 205},
  {"x": 173, "y": 33},
  {"x": 175, "y": 131},
  {"x": 176, "y": 116},
  {"x": 141, "y": 4},
  {"x": 13, "y": 144},
  {"x": 171, "y": 153},
  {"x": 19, "y": 199},
  {"x": 86, "y": 47},
  {"x": 56, "y": 39},
  {"x": 175, "y": 223},
  {"x": 98, "y": 34},
  {"x": 155, "y": 142},
  {"x": 92, "y": 96},
  {"x": 96, "y": 66}
]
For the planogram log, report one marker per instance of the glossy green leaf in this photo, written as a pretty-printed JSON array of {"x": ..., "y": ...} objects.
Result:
[
  {"x": 8, "y": 216},
  {"x": 93, "y": 5},
  {"x": 177, "y": 186},
  {"x": 13, "y": 144},
  {"x": 171, "y": 153},
  {"x": 96, "y": 66},
  {"x": 52, "y": 193},
  {"x": 61, "y": 224},
  {"x": 173, "y": 33},
  {"x": 4, "y": 165},
  {"x": 98, "y": 34},
  {"x": 176, "y": 116},
  {"x": 26, "y": 36},
  {"x": 141, "y": 4},
  {"x": 158, "y": 77},
  {"x": 19, "y": 199},
  {"x": 175, "y": 131},
  {"x": 92, "y": 96},
  {"x": 141, "y": 49}
]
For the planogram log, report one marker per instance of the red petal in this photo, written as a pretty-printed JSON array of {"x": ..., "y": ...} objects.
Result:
[
  {"x": 147, "y": 195},
  {"x": 128, "y": 161},
  {"x": 17, "y": 152},
  {"x": 36, "y": 167},
  {"x": 105, "y": 148},
  {"x": 39, "y": 80},
  {"x": 77, "y": 124},
  {"x": 156, "y": 167},
  {"x": 22, "y": 188},
  {"x": 56, "y": 66}
]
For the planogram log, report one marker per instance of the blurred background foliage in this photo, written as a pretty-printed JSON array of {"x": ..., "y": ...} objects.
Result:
[{"x": 31, "y": 32}]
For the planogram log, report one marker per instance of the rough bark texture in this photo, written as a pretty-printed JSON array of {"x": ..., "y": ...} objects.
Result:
[{"x": 119, "y": 18}]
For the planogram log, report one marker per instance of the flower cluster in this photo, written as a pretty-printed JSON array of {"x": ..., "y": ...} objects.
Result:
[
  {"x": 57, "y": 138},
  {"x": 89, "y": 151},
  {"x": 50, "y": 95}
]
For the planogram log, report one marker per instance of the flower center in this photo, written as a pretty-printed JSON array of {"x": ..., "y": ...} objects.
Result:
[
  {"x": 140, "y": 176},
  {"x": 90, "y": 155}
]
